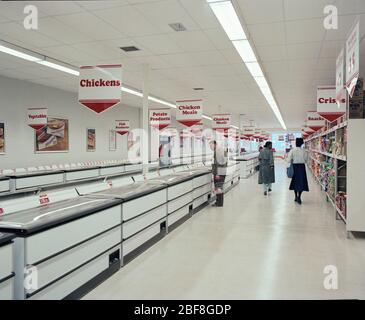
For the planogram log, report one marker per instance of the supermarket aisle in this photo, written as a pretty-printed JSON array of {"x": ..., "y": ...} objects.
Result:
[{"x": 257, "y": 248}]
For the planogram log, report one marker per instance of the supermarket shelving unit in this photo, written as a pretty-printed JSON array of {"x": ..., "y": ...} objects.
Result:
[{"x": 331, "y": 150}]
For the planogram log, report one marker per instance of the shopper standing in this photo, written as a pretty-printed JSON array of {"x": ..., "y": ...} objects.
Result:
[
  {"x": 219, "y": 170},
  {"x": 267, "y": 169},
  {"x": 299, "y": 183}
]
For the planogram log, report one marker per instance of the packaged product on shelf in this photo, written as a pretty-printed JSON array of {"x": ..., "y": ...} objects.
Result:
[{"x": 356, "y": 107}]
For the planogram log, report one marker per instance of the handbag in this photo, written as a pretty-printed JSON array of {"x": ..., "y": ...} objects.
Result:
[{"x": 290, "y": 170}]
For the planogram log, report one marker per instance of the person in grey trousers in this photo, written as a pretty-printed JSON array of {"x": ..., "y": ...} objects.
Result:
[{"x": 267, "y": 169}]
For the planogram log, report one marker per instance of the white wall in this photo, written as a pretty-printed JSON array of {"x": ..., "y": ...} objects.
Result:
[{"x": 17, "y": 96}]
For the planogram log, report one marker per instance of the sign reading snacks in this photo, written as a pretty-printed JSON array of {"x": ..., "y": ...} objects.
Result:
[
  {"x": 189, "y": 112},
  {"x": 100, "y": 86},
  {"x": 352, "y": 59},
  {"x": 37, "y": 118},
  {"x": 160, "y": 118},
  {"x": 327, "y": 106},
  {"x": 221, "y": 121},
  {"x": 122, "y": 126},
  {"x": 315, "y": 121}
]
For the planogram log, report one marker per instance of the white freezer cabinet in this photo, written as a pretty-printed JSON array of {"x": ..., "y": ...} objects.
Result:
[
  {"x": 4, "y": 184},
  {"x": 64, "y": 247},
  {"x": 202, "y": 190},
  {"x": 232, "y": 177},
  {"x": 19, "y": 181},
  {"x": 6, "y": 266}
]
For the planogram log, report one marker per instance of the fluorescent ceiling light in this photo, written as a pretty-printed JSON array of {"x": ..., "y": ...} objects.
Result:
[
  {"x": 59, "y": 67},
  {"x": 254, "y": 69},
  {"x": 206, "y": 117},
  {"x": 131, "y": 91},
  {"x": 245, "y": 50},
  {"x": 229, "y": 20},
  {"x": 19, "y": 54},
  {"x": 261, "y": 82},
  {"x": 234, "y": 127},
  {"x": 162, "y": 102}
]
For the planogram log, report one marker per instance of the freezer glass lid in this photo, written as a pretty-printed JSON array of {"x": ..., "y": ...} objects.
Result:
[
  {"x": 51, "y": 213},
  {"x": 134, "y": 189}
]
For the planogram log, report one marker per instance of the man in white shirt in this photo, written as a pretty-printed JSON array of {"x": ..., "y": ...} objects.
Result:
[{"x": 219, "y": 170}]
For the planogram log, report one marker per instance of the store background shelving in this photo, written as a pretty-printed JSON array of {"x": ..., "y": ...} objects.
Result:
[{"x": 330, "y": 151}]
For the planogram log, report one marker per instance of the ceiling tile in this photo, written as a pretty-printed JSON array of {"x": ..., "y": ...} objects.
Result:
[
  {"x": 261, "y": 11},
  {"x": 302, "y": 31},
  {"x": 267, "y": 34}
]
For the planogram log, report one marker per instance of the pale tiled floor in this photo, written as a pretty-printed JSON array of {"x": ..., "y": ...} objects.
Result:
[{"x": 256, "y": 247}]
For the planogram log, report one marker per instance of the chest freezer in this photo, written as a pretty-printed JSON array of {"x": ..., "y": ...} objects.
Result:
[{"x": 36, "y": 179}]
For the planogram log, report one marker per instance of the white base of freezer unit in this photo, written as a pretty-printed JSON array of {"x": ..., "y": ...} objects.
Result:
[
  {"x": 7, "y": 290},
  {"x": 76, "y": 279},
  {"x": 140, "y": 238},
  {"x": 177, "y": 215}
]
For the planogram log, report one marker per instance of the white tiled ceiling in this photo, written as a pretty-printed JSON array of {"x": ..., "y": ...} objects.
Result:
[{"x": 296, "y": 52}]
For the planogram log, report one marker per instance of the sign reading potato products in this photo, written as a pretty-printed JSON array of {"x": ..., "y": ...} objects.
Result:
[
  {"x": 189, "y": 112},
  {"x": 327, "y": 105},
  {"x": 37, "y": 118},
  {"x": 122, "y": 126},
  {"x": 100, "y": 86},
  {"x": 221, "y": 121},
  {"x": 352, "y": 59},
  {"x": 160, "y": 118}
]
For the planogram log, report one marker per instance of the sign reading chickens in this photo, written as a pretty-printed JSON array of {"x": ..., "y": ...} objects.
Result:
[
  {"x": 122, "y": 127},
  {"x": 37, "y": 118},
  {"x": 315, "y": 121},
  {"x": 189, "y": 112},
  {"x": 327, "y": 106},
  {"x": 160, "y": 118},
  {"x": 221, "y": 121},
  {"x": 352, "y": 59},
  {"x": 100, "y": 86}
]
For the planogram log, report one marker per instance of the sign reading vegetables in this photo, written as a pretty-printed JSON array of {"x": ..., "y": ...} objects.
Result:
[{"x": 37, "y": 118}]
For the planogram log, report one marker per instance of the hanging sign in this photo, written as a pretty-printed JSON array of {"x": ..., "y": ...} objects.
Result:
[
  {"x": 327, "y": 106},
  {"x": 122, "y": 126},
  {"x": 189, "y": 112},
  {"x": 197, "y": 129},
  {"x": 257, "y": 134},
  {"x": 37, "y": 118},
  {"x": 340, "y": 91},
  {"x": 100, "y": 86},
  {"x": 315, "y": 121},
  {"x": 221, "y": 121},
  {"x": 160, "y": 118},
  {"x": 352, "y": 59},
  {"x": 249, "y": 131}
]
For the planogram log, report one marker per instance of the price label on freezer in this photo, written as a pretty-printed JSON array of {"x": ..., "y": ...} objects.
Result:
[{"x": 43, "y": 199}]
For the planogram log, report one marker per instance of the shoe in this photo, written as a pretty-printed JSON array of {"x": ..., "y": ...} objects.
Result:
[
  {"x": 265, "y": 193},
  {"x": 296, "y": 199},
  {"x": 270, "y": 190},
  {"x": 299, "y": 201}
]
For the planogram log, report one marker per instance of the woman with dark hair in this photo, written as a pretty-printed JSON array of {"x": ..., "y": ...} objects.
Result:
[
  {"x": 299, "y": 183},
  {"x": 267, "y": 170}
]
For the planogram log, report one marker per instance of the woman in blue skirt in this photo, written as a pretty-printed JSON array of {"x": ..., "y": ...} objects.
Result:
[{"x": 299, "y": 183}]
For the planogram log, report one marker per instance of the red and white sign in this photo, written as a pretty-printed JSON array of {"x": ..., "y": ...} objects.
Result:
[
  {"x": 189, "y": 112},
  {"x": 43, "y": 199},
  {"x": 197, "y": 129},
  {"x": 340, "y": 85},
  {"x": 37, "y": 118},
  {"x": 315, "y": 121},
  {"x": 100, "y": 86},
  {"x": 249, "y": 131},
  {"x": 160, "y": 118},
  {"x": 327, "y": 106},
  {"x": 221, "y": 121},
  {"x": 122, "y": 126},
  {"x": 257, "y": 134},
  {"x": 352, "y": 59}
]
